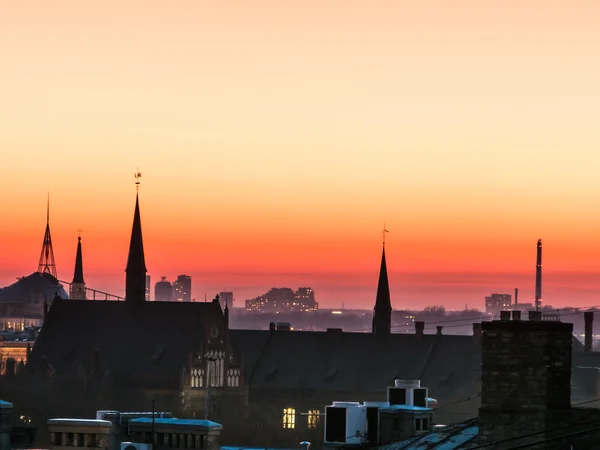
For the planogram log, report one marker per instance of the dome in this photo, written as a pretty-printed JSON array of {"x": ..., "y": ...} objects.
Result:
[{"x": 33, "y": 289}]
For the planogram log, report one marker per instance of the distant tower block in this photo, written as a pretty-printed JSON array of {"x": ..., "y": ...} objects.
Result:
[
  {"x": 77, "y": 291},
  {"x": 47, "y": 264}
]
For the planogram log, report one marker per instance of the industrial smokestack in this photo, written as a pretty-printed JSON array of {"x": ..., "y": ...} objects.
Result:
[
  {"x": 516, "y": 296},
  {"x": 538, "y": 276}
]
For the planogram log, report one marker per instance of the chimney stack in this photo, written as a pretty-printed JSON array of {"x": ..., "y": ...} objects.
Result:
[
  {"x": 535, "y": 316},
  {"x": 588, "y": 317},
  {"x": 516, "y": 315},
  {"x": 477, "y": 332},
  {"x": 439, "y": 330},
  {"x": 538, "y": 276},
  {"x": 419, "y": 328},
  {"x": 516, "y": 296},
  {"x": 504, "y": 315}
]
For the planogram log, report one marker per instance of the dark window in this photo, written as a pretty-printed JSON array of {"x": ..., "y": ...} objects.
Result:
[
  {"x": 397, "y": 396},
  {"x": 91, "y": 440},
  {"x": 372, "y": 424},
  {"x": 420, "y": 397},
  {"x": 335, "y": 424},
  {"x": 418, "y": 424}
]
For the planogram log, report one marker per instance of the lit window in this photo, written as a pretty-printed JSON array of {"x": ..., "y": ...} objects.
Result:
[
  {"x": 313, "y": 418},
  {"x": 289, "y": 418}
]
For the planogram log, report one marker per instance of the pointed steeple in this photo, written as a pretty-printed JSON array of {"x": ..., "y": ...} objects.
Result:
[
  {"x": 135, "y": 283},
  {"x": 382, "y": 314},
  {"x": 77, "y": 291},
  {"x": 46, "y": 263}
]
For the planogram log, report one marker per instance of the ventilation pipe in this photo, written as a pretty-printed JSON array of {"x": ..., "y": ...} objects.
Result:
[
  {"x": 419, "y": 328},
  {"x": 439, "y": 330}
]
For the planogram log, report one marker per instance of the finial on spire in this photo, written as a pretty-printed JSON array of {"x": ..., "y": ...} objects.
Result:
[
  {"x": 138, "y": 175},
  {"x": 383, "y": 233},
  {"x": 48, "y": 209},
  {"x": 79, "y": 233}
]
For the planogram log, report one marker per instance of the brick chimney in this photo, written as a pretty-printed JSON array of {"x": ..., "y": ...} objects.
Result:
[
  {"x": 419, "y": 328},
  {"x": 588, "y": 317},
  {"x": 526, "y": 379},
  {"x": 477, "y": 332}
]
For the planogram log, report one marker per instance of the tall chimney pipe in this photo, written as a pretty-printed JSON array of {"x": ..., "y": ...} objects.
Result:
[
  {"x": 588, "y": 318},
  {"x": 538, "y": 276},
  {"x": 516, "y": 296}
]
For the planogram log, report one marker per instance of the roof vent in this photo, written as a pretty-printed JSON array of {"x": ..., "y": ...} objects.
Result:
[
  {"x": 334, "y": 330},
  {"x": 284, "y": 326},
  {"x": 504, "y": 315}
]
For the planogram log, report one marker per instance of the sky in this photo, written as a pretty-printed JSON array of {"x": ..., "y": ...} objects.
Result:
[{"x": 276, "y": 138}]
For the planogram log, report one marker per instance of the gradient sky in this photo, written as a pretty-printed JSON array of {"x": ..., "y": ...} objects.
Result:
[{"x": 275, "y": 138}]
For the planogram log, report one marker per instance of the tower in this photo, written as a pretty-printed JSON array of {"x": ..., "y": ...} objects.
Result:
[
  {"x": 382, "y": 314},
  {"x": 135, "y": 279},
  {"x": 77, "y": 291},
  {"x": 538, "y": 276},
  {"x": 47, "y": 264}
]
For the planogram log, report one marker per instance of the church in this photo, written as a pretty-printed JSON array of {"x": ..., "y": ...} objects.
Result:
[{"x": 266, "y": 387}]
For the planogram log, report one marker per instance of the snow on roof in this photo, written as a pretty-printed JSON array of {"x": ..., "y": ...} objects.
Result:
[{"x": 183, "y": 422}]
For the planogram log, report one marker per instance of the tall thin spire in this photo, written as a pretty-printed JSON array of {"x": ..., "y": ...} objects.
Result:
[
  {"x": 135, "y": 282},
  {"x": 382, "y": 314},
  {"x": 47, "y": 263},
  {"x": 538, "y": 276},
  {"x": 77, "y": 291}
]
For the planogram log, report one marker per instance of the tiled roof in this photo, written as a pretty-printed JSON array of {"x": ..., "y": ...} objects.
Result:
[
  {"x": 153, "y": 338},
  {"x": 358, "y": 361}
]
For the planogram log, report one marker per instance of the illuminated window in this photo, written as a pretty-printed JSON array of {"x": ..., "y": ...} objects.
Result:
[
  {"x": 313, "y": 418},
  {"x": 289, "y": 418},
  {"x": 233, "y": 377},
  {"x": 197, "y": 379}
]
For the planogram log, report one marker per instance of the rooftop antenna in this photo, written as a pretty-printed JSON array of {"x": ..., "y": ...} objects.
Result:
[
  {"x": 383, "y": 233},
  {"x": 137, "y": 176}
]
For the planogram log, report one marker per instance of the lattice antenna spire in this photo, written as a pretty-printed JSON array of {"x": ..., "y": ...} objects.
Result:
[{"x": 47, "y": 263}]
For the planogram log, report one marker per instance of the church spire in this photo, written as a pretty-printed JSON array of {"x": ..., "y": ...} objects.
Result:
[
  {"x": 382, "y": 314},
  {"x": 77, "y": 291},
  {"x": 135, "y": 282},
  {"x": 46, "y": 263}
]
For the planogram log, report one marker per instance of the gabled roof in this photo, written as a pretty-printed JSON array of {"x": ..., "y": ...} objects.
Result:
[
  {"x": 152, "y": 338},
  {"x": 358, "y": 361}
]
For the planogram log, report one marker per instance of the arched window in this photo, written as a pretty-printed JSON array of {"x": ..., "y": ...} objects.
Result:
[
  {"x": 215, "y": 368},
  {"x": 197, "y": 378},
  {"x": 233, "y": 377}
]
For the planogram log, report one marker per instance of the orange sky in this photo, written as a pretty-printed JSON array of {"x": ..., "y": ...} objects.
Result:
[{"x": 274, "y": 140}]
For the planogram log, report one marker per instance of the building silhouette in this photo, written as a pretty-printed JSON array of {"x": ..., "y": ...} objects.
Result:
[
  {"x": 148, "y": 288},
  {"x": 163, "y": 290},
  {"x": 382, "y": 313},
  {"x": 77, "y": 288},
  {"x": 182, "y": 288},
  {"x": 498, "y": 302}
]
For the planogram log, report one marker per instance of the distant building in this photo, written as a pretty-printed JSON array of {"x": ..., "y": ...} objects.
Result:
[
  {"x": 163, "y": 290},
  {"x": 182, "y": 288},
  {"x": 498, "y": 302},
  {"x": 148, "y": 288},
  {"x": 279, "y": 300},
  {"x": 226, "y": 298}
]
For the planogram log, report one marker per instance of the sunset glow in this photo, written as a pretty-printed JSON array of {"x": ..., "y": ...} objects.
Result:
[{"x": 275, "y": 139}]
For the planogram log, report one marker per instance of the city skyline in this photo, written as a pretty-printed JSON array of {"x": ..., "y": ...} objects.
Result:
[{"x": 275, "y": 141}]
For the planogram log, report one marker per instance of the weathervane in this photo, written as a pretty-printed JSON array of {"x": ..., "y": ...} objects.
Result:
[
  {"x": 137, "y": 175},
  {"x": 383, "y": 233}
]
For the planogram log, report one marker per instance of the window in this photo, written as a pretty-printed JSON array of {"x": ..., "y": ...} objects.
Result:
[
  {"x": 314, "y": 416},
  {"x": 233, "y": 377},
  {"x": 422, "y": 424},
  {"x": 215, "y": 368},
  {"x": 197, "y": 378},
  {"x": 289, "y": 418}
]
